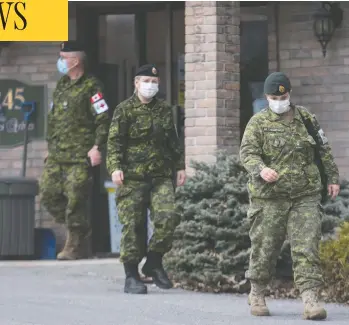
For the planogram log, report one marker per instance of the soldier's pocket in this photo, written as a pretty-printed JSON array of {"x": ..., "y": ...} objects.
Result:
[
  {"x": 254, "y": 213},
  {"x": 274, "y": 146},
  {"x": 123, "y": 191},
  {"x": 308, "y": 146},
  {"x": 123, "y": 203},
  {"x": 140, "y": 126}
]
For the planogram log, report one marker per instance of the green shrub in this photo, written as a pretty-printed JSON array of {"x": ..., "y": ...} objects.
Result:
[
  {"x": 336, "y": 211},
  {"x": 334, "y": 255},
  {"x": 211, "y": 246}
]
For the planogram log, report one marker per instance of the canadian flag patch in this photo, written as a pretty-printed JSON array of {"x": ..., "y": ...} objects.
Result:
[
  {"x": 99, "y": 104},
  {"x": 96, "y": 98}
]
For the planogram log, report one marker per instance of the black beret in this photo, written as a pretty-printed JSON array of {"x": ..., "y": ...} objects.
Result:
[
  {"x": 277, "y": 84},
  {"x": 71, "y": 46},
  {"x": 148, "y": 70}
]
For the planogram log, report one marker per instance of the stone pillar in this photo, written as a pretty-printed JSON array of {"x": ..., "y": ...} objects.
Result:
[{"x": 212, "y": 78}]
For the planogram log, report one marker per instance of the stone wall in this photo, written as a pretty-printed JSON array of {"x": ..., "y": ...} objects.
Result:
[
  {"x": 211, "y": 78},
  {"x": 319, "y": 83}
]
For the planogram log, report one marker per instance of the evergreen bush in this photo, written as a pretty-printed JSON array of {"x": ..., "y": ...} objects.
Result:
[
  {"x": 336, "y": 211},
  {"x": 334, "y": 255},
  {"x": 211, "y": 247}
]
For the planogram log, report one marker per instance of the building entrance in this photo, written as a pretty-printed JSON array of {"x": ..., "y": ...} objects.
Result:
[{"x": 254, "y": 61}]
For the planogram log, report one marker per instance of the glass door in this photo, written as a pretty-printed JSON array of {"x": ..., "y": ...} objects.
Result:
[{"x": 117, "y": 56}]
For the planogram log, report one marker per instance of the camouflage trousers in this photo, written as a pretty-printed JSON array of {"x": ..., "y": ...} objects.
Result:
[
  {"x": 133, "y": 198},
  {"x": 271, "y": 221},
  {"x": 64, "y": 192}
]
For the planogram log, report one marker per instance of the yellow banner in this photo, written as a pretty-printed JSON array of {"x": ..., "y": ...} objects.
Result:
[{"x": 34, "y": 20}]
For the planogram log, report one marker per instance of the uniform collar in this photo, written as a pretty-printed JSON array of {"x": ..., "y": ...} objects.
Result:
[
  {"x": 138, "y": 103},
  {"x": 70, "y": 82},
  {"x": 275, "y": 117}
]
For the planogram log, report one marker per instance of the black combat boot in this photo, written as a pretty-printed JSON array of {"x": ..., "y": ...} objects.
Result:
[
  {"x": 153, "y": 268},
  {"x": 133, "y": 283}
]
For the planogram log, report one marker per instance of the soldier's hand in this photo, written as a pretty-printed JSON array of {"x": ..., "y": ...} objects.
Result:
[
  {"x": 269, "y": 175},
  {"x": 95, "y": 156},
  {"x": 181, "y": 177},
  {"x": 333, "y": 190},
  {"x": 117, "y": 177}
]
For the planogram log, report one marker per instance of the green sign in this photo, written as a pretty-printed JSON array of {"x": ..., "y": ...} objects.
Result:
[{"x": 13, "y": 94}]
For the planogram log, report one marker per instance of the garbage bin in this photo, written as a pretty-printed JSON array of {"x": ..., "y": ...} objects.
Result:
[
  {"x": 115, "y": 225},
  {"x": 17, "y": 216}
]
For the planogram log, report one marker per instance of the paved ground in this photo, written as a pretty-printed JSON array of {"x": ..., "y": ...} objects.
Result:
[{"x": 91, "y": 293}]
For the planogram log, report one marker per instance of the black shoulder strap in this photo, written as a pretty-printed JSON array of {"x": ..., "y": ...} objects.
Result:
[
  {"x": 175, "y": 118},
  {"x": 309, "y": 126}
]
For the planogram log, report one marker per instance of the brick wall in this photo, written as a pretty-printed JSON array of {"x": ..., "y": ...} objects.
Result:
[
  {"x": 321, "y": 84},
  {"x": 31, "y": 63},
  {"x": 211, "y": 78}
]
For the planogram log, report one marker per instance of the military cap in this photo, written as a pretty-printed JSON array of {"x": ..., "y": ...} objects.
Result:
[
  {"x": 277, "y": 84},
  {"x": 71, "y": 46},
  {"x": 148, "y": 70}
]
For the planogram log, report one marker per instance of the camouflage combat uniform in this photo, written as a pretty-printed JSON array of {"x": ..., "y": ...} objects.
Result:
[
  {"x": 291, "y": 205},
  {"x": 143, "y": 144},
  {"x": 74, "y": 128}
]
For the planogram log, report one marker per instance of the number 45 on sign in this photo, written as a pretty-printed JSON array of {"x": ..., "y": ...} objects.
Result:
[{"x": 13, "y": 99}]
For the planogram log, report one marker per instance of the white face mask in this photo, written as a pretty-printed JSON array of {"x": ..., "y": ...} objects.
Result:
[
  {"x": 279, "y": 106},
  {"x": 148, "y": 89}
]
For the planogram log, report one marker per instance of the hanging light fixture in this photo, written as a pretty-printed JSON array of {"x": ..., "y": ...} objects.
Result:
[{"x": 326, "y": 20}]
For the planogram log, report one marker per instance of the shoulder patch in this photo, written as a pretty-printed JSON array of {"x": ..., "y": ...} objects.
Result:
[
  {"x": 100, "y": 106},
  {"x": 96, "y": 97},
  {"x": 322, "y": 136},
  {"x": 98, "y": 103}
]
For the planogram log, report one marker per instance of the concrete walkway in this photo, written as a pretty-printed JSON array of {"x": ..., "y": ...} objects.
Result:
[{"x": 91, "y": 293}]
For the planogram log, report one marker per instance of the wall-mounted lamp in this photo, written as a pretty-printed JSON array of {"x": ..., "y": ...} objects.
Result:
[{"x": 326, "y": 20}]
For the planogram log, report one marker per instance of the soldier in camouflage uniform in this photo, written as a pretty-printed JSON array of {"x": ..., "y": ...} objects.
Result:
[
  {"x": 284, "y": 188},
  {"x": 78, "y": 125},
  {"x": 143, "y": 155}
]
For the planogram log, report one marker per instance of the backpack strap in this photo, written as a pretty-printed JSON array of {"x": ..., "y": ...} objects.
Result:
[
  {"x": 317, "y": 157},
  {"x": 310, "y": 127},
  {"x": 175, "y": 118}
]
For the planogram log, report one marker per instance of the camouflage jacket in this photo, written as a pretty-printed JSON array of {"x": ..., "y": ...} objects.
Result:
[
  {"x": 287, "y": 148},
  {"x": 77, "y": 119},
  {"x": 143, "y": 141}
]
